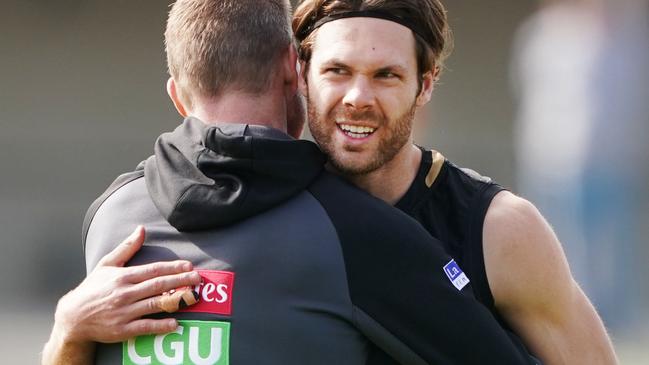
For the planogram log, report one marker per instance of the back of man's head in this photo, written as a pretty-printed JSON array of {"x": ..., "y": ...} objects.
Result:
[
  {"x": 218, "y": 45},
  {"x": 428, "y": 17}
]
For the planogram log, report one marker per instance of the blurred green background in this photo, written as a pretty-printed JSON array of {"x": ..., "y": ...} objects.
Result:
[{"x": 82, "y": 99}]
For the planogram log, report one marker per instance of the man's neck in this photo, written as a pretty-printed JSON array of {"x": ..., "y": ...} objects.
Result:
[
  {"x": 268, "y": 109},
  {"x": 391, "y": 181}
]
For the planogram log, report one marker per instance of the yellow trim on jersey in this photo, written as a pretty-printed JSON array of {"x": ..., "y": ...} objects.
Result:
[{"x": 435, "y": 167}]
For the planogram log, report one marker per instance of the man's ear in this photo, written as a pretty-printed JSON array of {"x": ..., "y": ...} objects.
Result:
[
  {"x": 295, "y": 108},
  {"x": 172, "y": 90},
  {"x": 427, "y": 86},
  {"x": 295, "y": 116},
  {"x": 290, "y": 71},
  {"x": 301, "y": 82}
]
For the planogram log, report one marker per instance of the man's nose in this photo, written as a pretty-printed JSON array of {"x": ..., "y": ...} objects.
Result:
[{"x": 360, "y": 94}]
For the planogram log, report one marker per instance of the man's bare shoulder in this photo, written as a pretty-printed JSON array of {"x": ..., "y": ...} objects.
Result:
[
  {"x": 534, "y": 290},
  {"x": 523, "y": 257}
]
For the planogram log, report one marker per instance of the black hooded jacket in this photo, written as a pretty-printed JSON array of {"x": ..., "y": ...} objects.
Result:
[{"x": 299, "y": 267}]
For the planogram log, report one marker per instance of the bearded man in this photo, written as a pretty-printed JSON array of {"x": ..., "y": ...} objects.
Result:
[{"x": 366, "y": 67}]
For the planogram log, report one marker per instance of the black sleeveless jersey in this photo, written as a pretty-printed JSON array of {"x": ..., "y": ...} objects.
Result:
[{"x": 451, "y": 203}]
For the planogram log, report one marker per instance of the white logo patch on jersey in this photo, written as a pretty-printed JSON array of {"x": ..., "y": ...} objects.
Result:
[{"x": 456, "y": 275}]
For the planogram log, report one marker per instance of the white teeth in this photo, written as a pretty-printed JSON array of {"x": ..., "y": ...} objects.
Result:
[
  {"x": 356, "y": 135},
  {"x": 357, "y": 129}
]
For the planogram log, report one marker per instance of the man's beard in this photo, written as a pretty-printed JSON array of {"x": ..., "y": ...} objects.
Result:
[{"x": 395, "y": 134}]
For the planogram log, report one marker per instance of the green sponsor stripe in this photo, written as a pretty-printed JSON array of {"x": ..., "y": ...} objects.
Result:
[{"x": 194, "y": 343}]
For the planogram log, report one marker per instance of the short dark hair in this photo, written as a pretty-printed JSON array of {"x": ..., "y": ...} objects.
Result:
[
  {"x": 428, "y": 15},
  {"x": 213, "y": 45}
]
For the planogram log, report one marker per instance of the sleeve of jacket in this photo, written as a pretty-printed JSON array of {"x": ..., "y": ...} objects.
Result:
[
  {"x": 112, "y": 217},
  {"x": 121, "y": 181}
]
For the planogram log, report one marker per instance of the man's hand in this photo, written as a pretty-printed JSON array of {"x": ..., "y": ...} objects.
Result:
[{"x": 109, "y": 304}]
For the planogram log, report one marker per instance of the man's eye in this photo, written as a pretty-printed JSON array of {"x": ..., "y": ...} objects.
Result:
[
  {"x": 336, "y": 71},
  {"x": 387, "y": 75}
]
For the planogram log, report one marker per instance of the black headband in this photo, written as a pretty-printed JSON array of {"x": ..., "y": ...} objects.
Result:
[{"x": 368, "y": 14}]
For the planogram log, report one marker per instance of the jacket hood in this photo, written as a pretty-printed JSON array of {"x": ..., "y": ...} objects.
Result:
[{"x": 207, "y": 176}]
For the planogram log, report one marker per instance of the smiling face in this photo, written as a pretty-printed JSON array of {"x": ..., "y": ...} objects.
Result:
[{"x": 362, "y": 88}]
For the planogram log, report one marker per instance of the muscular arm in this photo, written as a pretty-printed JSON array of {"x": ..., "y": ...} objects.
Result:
[
  {"x": 534, "y": 290},
  {"x": 108, "y": 305}
]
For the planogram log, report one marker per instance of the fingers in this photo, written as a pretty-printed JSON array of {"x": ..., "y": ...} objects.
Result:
[
  {"x": 141, "y": 273},
  {"x": 149, "y": 327},
  {"x": 161, "y": 284},
  {"x": 164, "y": 303},
  {"x": 173, "y": 301},
  {"x": 125, "y": 250}
]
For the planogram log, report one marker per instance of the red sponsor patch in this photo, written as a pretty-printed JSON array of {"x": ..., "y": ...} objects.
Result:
[{"x": 215, "y": 293}]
